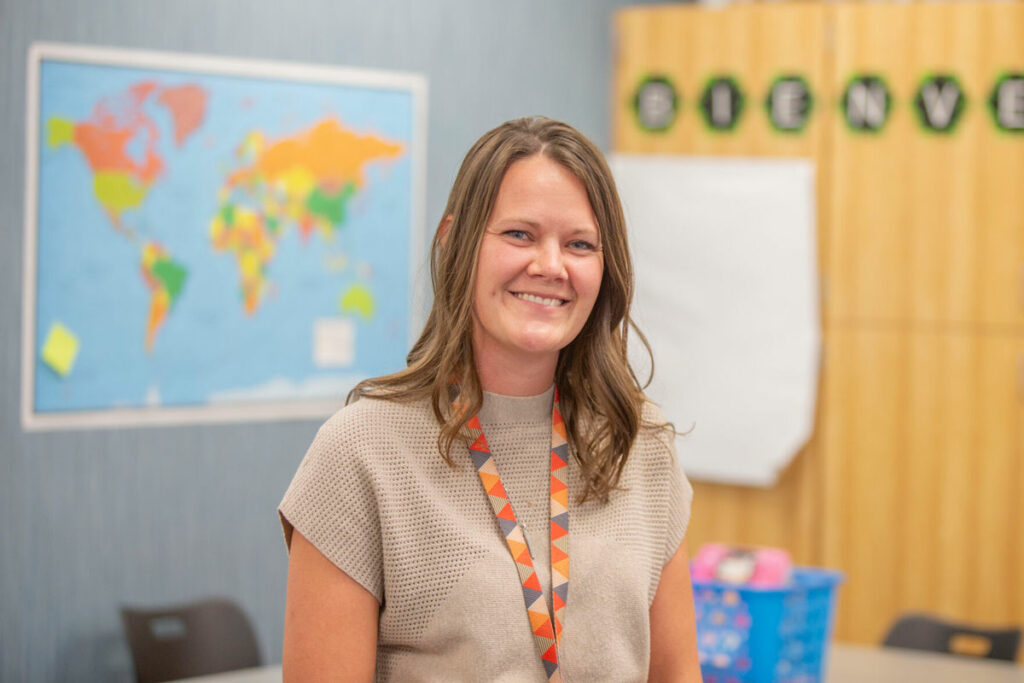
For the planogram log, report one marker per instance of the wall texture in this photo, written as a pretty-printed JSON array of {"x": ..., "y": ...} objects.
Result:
[{"x": 95, "y": 519}]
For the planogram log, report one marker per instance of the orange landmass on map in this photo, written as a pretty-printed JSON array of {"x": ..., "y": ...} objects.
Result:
[
  {"x": 329, "y": 152},
  {"x": 105, "y": 138},
  {"x": 187, "y": 104},
  {"x": 105, "y": 150}
]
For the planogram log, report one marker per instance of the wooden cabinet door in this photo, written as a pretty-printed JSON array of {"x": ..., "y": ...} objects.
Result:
[
  {"x": 922, "y": 436},
  {"x": 926, "y": 226}
]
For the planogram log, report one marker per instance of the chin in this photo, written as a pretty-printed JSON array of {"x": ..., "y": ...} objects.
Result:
[{"x": 539, "y": 345}]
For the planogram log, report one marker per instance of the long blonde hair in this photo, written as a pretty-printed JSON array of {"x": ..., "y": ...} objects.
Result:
[{"x": 601, "y": 399}]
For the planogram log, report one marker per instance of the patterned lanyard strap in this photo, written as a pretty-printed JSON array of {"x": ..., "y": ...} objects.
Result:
[{"x": 546, "y": 638}]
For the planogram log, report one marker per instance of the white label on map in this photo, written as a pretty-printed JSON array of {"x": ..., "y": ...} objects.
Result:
[{"x": 334, "y": 342}]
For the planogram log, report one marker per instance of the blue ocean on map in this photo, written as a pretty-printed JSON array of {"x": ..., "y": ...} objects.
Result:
[{"x": 194, "y": 230}]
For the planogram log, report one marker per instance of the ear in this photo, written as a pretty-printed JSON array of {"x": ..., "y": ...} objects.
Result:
[{"x": 442, "y": 229}]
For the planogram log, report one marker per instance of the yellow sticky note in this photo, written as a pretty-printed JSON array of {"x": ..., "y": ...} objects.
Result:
[{"x": 60, "y": 349}]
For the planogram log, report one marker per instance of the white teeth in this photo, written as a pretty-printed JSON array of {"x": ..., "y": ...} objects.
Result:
[{"x": 539, "y": 300}]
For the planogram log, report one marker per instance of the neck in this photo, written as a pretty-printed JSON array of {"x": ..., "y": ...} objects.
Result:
[{"x": 519, "y": 376}]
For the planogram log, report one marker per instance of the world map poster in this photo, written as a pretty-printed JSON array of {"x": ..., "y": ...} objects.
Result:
[{"x": 211, "y": 239}]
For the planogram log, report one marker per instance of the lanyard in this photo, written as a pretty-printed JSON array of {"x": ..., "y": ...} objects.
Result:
[{"x": 546, "y": 638}]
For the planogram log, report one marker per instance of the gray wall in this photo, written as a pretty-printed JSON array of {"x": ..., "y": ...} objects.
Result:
[{"x": 90, "y": 520}]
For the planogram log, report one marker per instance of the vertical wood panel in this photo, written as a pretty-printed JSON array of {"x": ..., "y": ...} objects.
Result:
[
  {"x": 998, "y": 454},
  {"x": 655, "y": 42},
  {"x": 924, "y": 483},
  {"x": 943, "y": 189},
  {"x": 1000, "y": 213},
  {"x": 724, "y": 45},
  {"x": 1015, "y": 525},
  {"x": 870, "y": 246},
  {"x": 863, "y": 429}
]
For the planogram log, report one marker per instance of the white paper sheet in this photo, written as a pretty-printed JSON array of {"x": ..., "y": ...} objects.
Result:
[{"x": 727, "y": 294}]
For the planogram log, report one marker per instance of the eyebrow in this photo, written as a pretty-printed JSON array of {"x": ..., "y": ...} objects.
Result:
[{"x": 532, "y": 224}]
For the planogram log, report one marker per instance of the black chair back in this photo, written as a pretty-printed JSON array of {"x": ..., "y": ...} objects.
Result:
[
  {"x": 201, "y": 638},
  {"x": 924, "y": 632}
]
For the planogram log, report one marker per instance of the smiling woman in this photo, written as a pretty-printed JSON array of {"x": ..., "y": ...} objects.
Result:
[{"x": 430, "y": 522}]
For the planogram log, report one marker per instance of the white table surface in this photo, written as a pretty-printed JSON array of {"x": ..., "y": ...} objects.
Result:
[
  {"x": 846, "y": 664},
  {"x": 863, "y": 663}
]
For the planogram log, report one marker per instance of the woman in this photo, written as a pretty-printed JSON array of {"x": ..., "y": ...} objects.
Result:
[{"x": 518, "y": 438}]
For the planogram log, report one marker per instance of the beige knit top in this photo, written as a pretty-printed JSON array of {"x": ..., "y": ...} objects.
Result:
[{"x": 375, "y": 497}]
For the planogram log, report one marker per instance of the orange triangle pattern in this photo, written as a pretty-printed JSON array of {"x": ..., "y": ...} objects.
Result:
[
  {"x": 489, "y": 480},
  {"x": 498, "y": 489},
  {"x": 516, "y": 547},
  {"x": 559, "y": 428},
  {"x": 524, "y": 571},
  {"x": 516, "y": 534},
  {"x": 562, "y": 567},
  {"x": 537, "y": 621},
  {"x": 545, "y": 630},
  {"x": 545, "y": 637}
]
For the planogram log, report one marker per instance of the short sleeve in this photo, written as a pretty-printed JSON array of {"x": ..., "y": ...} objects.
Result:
[
  {"x": 680, "y": 498},
  {"x": 333, "y": 503},
  {"x": 674, "y": 493}
]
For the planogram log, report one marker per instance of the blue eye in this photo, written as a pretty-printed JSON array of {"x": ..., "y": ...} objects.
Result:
[
  {"x": 516, "y": 234},
  {"x": 582, "y": 245}
]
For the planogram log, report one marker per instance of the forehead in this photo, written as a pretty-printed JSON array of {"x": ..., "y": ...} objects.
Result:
[{"x": 539, "y": 189}]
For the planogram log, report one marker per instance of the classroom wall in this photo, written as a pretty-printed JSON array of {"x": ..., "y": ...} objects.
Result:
[{"x": 94, "y": 519}]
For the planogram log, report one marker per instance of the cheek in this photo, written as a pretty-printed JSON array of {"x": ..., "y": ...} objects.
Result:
[
  {"x": 490, "y": 271},
  {"x": 481, "y": 282},
  {"x": 591, "y": 279}
]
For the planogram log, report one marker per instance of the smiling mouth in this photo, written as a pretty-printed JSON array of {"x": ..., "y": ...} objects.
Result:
[{"x": 543, "y": 301}]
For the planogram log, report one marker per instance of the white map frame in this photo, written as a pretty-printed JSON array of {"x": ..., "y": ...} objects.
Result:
[{"x": 416, "y": 84}]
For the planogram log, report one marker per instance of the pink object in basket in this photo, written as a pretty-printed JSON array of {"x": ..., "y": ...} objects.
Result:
[{"x": 748, "y": 566}]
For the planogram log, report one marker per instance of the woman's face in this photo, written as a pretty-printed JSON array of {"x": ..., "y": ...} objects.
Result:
[{"x": 540, "y": 265}]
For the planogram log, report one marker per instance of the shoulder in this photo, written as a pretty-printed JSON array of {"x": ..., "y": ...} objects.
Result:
[
  {"x": 652, "y": 414},
  {"x": 372, "y": 414},
  {"x": 656, "y": 437},
  {"x": 369, "y": 424}
]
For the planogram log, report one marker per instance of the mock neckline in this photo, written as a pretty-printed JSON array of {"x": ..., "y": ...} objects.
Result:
[{"x": 498, "y": 408}]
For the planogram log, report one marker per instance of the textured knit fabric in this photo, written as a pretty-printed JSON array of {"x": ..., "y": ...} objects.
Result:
[{"x": 375, "y": 497}]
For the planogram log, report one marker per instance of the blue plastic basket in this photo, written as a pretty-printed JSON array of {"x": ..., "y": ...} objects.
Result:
[{"x": 757, "y": 635}]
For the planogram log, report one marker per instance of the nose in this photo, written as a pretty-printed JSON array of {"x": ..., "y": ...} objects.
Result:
[{"x": 548, "y": 261}]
